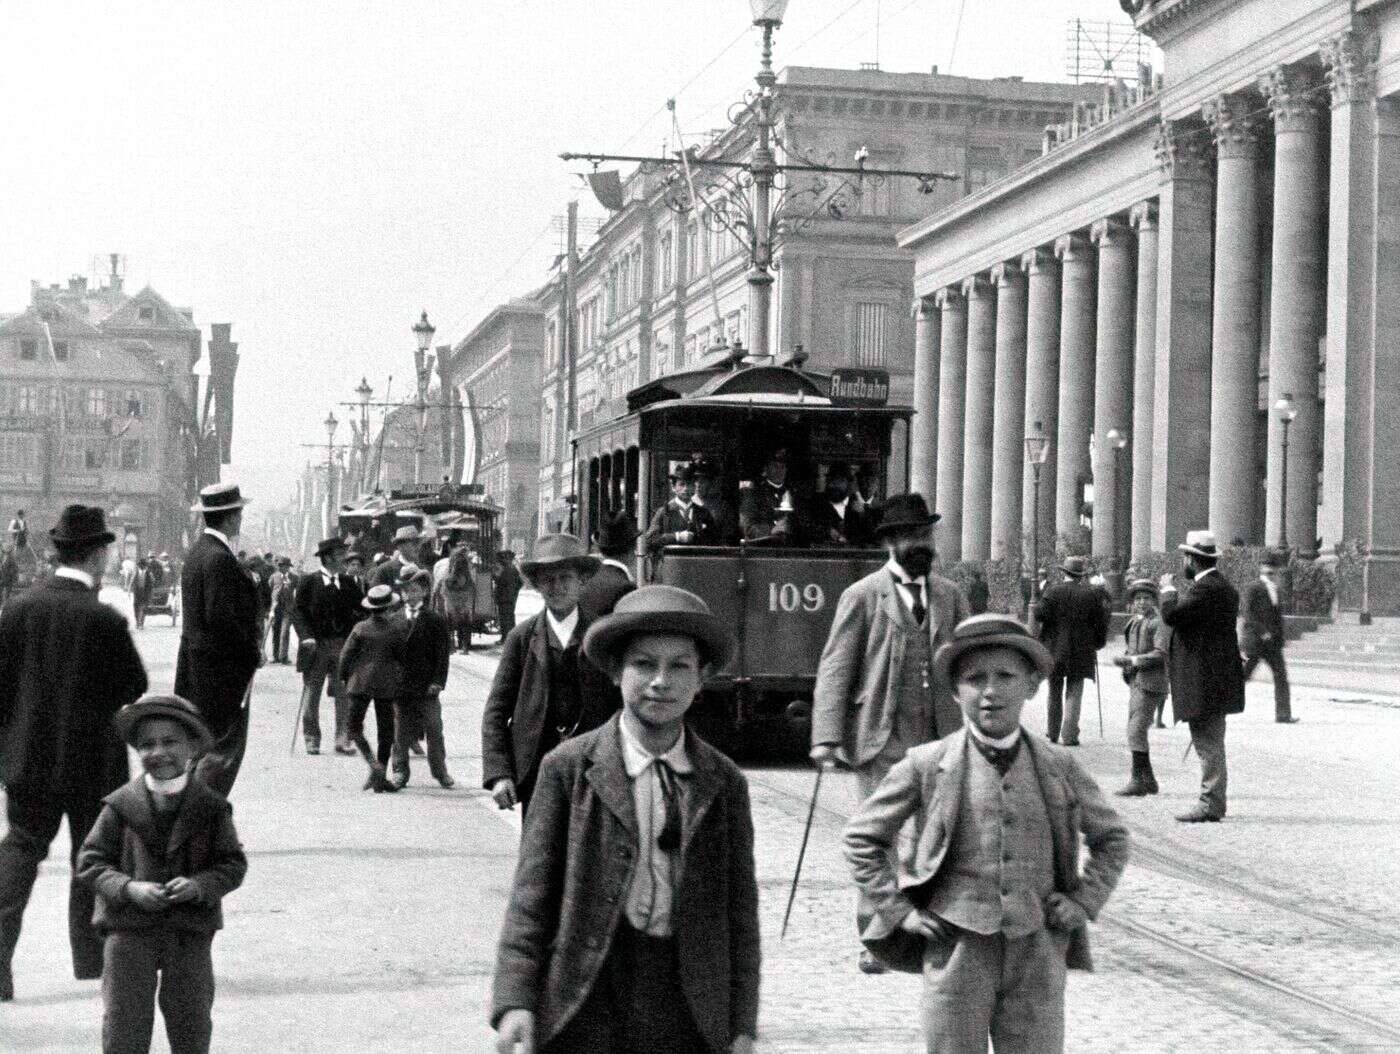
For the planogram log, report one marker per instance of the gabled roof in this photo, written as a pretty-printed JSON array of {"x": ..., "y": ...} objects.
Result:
[
  {"x": 62, "y": 321},
  {"x": 128, "y": 316}
]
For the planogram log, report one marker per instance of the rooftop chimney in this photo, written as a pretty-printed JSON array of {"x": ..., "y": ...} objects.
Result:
[{"x": 116, "y": 280}]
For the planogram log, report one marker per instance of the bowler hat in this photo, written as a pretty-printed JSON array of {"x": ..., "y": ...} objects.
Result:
[
  {"x": 991, "y": 631},
  {"x": 379, "y": 598},
  {"x": 683, "y": 473},
  {"x": 330, "y": 545},
  {"x": 354, "y": 557},
  {"x": 170, "y": 707},
  {"x": 559, "y": 551},
  {"x": 617, "y": 532},
  {"x": 658, "y": 609},
  {"x": 407, "y": 533},
  {"x": 219, "y": 497},
  {"x": 903, "y": 512},
  {"x": 1201, "y": 543},
  {"x": 1141, "y": 585},
  {"x": 1075, "y": 566},
  {"x": 417, "y": 575},
  {"x": 79, "y": 524}
]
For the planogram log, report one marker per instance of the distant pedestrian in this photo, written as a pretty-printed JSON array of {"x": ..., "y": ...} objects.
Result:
[
  {"x": 1263, "y": 637},
  {"x": 284, "y": 584},
  {"x": 1144, "y": 665},
  {"x": 993, "y": 903},
  {"x": 140, "y": 591},
  {"x": 505, "y": 589},
  {"x": 617, "y": 541},
  {"x": 371, "y": 667},
  {"x": 876, "y": 695},
  {"x": 325, "y": 610},
  {"x": 408, "y": 545},
  {"x": 633, "y": 920},
  {"x": 67, "y": 665},
  {"x": 545, "y": 690},
  {"x": 161, "y": 858},
  {"x": 220, "y": 641},
  {"x": 19, "y": 531},
  {"x": 1203, "y": 663},
  {"x": 1073, "y": 624},
  {"x": 354, "y": 567},
  {"x": 418, "y": 707},
  {"x": 9, "y": 575},
  {"x": 979, "y": 595}
]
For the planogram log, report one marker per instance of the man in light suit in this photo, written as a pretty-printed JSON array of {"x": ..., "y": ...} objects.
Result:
[
  {"x": 876, "y": 694},
  {"x": 1262, "y": 639}
]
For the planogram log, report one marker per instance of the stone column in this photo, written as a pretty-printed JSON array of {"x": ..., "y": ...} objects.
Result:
[
  {"x": 1144, "y": 220},
  {"x": 1181, "y": 388},
  {"x": 1113, "y": 387},
  {"x": 977, "y": 424},
  {"x": 1008, "y": 424},
  {"x": 1346, "y": 438},
  {"x": 1076, "y": 423},
  {"x": 952, "y": 384},
  {"x": 1234, "y": 372},
  {"x": 1042, "y": 387},
  {"x": 923, "y": 471},
  {"x": 1297, "y": 299}
]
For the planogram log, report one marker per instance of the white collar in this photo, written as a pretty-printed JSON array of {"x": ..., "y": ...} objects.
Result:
[
  {"x": 170, "y": 786},
  {"x": 331, "y": 577},
  {"x": 413, "y": 609},
  {"x": 1202, "y": 575},
  {"x": 563, "y": 629},
  {"x": 76, "y": 575},
  {"x": 900, "y": 575},
  {"x": 636, "y": 758},
  {"x": 840, "y": 506},
  {"x": 678, "y": 503},
  {"x": 1004, "y": 743},
  {"x": 608, "y": 561},
  {"x": 221, "y": 536}
]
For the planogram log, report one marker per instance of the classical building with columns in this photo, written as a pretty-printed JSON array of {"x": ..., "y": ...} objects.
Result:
[{"x": 1191, "y": 289}]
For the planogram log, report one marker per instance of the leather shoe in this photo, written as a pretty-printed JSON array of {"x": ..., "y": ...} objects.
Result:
[
  {"x": 344, "y": 748},
  {"x": 1070, "y": 743},
  {"x": 7, "y": 984},
  {"x": 446, "y": 782},
  {"x": 1198, "y": 815},
  {"x": 312, "y": 749},
  {"x": 1285, "y": 720},
  {"x": 871, "y": 965},
  {"x": 1136, "y": 788}
]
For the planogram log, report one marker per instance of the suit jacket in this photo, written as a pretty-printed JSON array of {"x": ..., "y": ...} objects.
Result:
[
  {"x": 372, "y": 662},
  {"x": 858, "y": 677},
  {"x": 219, "y": 640},
  {"x": 669, "y": 521},
  {"x": 203, "y": 847},
  {"x": 822, "y": 520},
  {"x": 426, "y": 654},
  {"x": 929, "y": 781},
  {"x": 320, "y": 612},
  {"x": 1149, "y": 639},
  {"x": 758, "y": 508},
  {"x": 577, "y": 857},
  {"x": 1074, "y": 626},
  {"x": 602, "y": 592},
  {"x": 1204, "y": 658},
  {"x": 512, "y": 724},
  {"x": 67, "y": 665},
  {"x": 1261, "y": 617}
]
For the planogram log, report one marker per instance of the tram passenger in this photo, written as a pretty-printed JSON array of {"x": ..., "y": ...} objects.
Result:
[
  {"x": 764, "y": 504},
  {"x": 709, "y": 494},
  {"x": 838, "y": 516},
  {"x": 680, "y": 521}
]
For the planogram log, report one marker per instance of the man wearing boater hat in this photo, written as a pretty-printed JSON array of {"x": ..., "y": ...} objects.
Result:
[
  {"x": 220, "y": 641},
  {"x": 545, "y": 690},
  {"x": 1074, "y": 626},
  {"x": 67, "y": 666},
  {"x": 1203, "y": 663},
  {"x": 876, "y": 695},
  {"x": 326, "y": 608}
]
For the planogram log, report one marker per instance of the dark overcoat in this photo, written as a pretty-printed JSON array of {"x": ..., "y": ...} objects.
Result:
[
  {"x": 512, "y": 725},
  {"x": 505, "y": 586},
  {"x": 1262, "y": 618},
  {"x": 670, "y": 520},
  {"x": 1074, "y": 626},
  {"x": 1203, "y": 659},
  {"x": 577, "y": 857},
  {"x": 602, "y": 592},
  {"x": 823, "y": 520},
  {"x": 427, "y": 654},
  {"x": 322, "y": 612},
  {"x": 372, "y": 661},
  {"x": 219, "y": 641},
  {"x": 67, "y": 665}
]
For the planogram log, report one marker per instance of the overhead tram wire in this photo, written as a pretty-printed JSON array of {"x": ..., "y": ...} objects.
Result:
[
  {"x": 957, "y": 32},
  {"x": 500, "y": 280},
  {"x": 676, "y": 94}
]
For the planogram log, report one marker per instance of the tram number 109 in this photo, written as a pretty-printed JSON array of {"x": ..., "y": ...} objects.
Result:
[{"x": 790, "y": 597}]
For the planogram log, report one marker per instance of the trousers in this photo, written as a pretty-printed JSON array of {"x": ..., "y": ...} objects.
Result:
[
  {"x": 1066, "y": 695},
  {"x": 325, "y": 666},
  {"x": 133, "y": 962},
  {"x": 281, "y": 632},
  {"x": 414, "y": 718},
  {"x": 219, "y": 766},
  {"x": 1208, "y": 737},
  {"x": 1143, "y": 705},
  {"x": 1272, "y": 655},
  {"x": 33, "y": 825},
  {"x": 383, "y": 729},
  {"x": 1011, "y": 989}
]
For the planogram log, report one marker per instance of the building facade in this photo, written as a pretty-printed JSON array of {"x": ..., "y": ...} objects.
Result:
[
  {"x": 659, "y": 289},
  {"x": 1193, "y": 296}
]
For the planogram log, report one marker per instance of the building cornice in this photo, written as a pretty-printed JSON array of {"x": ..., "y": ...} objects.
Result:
[{"x": 1159, "y": 18}]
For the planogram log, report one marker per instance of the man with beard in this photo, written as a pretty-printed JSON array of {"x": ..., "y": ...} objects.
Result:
[{"x": 876, "y": 693}]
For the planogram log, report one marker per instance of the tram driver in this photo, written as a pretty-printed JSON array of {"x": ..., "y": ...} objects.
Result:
[{"x": 766, "y": 509}]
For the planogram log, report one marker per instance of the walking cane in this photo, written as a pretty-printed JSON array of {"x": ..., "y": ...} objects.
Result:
[
  {"x": 1099, "y": 693},
  {"x": 806, "y": 832},
  {"x": 1187, "y": 752},
  {"x": 301, "y": 708}
]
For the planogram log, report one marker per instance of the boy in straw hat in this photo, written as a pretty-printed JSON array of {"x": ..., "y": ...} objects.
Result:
[
  {"x": 1144, "y": 665},
  {"x": 992, "y": 904},
  {"x": 633, "y": 922},
  {"x": 371, "y": 668},
  {"x": 161, "y": 857}
]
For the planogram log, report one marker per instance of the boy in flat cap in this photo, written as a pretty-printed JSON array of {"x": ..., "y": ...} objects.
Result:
[
  {"x": 993, "y": 903},
  {"x": 633, "y": 921},
  {"x": 1144, "y": 665},
  {"x": 160, "y": 858}
]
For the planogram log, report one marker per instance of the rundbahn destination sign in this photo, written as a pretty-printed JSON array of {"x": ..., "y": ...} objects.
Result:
[{"x": 860, "y": 387}]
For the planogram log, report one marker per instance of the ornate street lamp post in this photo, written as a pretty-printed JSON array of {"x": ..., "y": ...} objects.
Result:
[
  {"x": 331, "y": 425},
  {"x": 1118, "y": 441},
  {"x": 768, "y": 16},
  {"x": 423, "y": 362},
  {"x": 1037, "y": 449},
  {"x": 1285, "y": 411},
  {"x": 363, "y": 393}
]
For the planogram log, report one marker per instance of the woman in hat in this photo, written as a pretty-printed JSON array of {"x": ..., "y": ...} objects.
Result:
[
  {"x": 371, "y": 668},
  {"x": 1144, "y": 665},
  {"x": 633, "y": 921},
  {"x": 545, "y": 690}
]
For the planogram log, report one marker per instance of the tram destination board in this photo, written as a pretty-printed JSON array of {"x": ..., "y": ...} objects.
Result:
[
  {"x": 860, "y": 387},
  {"x": 443, "y": 491}
]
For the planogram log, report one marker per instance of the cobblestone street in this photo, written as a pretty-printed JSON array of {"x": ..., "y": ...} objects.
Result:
[{"x": 368, "y": 921}]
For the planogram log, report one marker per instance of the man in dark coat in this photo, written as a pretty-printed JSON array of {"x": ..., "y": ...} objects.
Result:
[
  {"x": 325, "y": 610},
  {"x": 220, "y": 642},
  {"x": 426, "y": 664},
  {"x": 141, "y": 586},
  {"x": 1203, "y": 660},
  {"x": 616, "y": 539},
  {"x": 1074, "y": 626},
  {"x": 763, "y": 504},
  {"x": 838, "y": 517},
  {"x": 505, "y": 588},
  {"x": 680, "y": 521},
  {"x": 67, "y": 665},
  {"x": 1263, "y": 639},
  {"x": 545, "y": 690}
]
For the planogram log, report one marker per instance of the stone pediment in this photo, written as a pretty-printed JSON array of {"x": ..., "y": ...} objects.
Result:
[{"x": 148, "y": 310}]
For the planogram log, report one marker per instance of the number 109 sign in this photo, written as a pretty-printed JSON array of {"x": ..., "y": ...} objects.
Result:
[{"x": 790, "y": 597}]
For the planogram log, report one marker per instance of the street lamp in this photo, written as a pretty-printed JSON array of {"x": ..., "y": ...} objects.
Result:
[
  {"x": 1285, "y": 411},
  {"x": 768, "y": 16},
  {"x": 423, "y": 362},
  {"x": 1118, "y": 441},
  {"x": 331, "y": 425},
  {"x": 363, "y": 393},
  {"x": 1037, "y": 450}
]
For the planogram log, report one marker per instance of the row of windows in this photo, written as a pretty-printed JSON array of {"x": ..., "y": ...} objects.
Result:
[
  {"x": 29, "y": 400},
  {"x": 20, "y": 453},
  {"x": 28, "y": 348}
]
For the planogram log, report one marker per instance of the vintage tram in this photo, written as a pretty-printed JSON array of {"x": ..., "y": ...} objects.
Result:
[{"x": 781, "y": 599}]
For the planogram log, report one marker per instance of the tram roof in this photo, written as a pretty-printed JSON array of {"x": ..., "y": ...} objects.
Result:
[
  {"x": 378, "y": 506},
  {"x": 779, "y": 387}
]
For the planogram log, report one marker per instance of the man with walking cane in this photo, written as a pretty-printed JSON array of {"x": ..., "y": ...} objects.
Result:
[
  {"x": 326, "y": 608},
  {"x": 880, "y": 652},
  {"x": 1074, "y": 626}
]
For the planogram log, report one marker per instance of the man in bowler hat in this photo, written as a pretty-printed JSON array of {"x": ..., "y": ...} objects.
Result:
[
  {"x": 221, "y": 639},
  {"x": 617, "y": 538},
  {"x": 876, "y": 695},
  {"x": 1262, "y": 636},
  {"x": 326, "y": 608},
  {"x": 1073, "y": 624},
  {"x": 67, "y": 666}
]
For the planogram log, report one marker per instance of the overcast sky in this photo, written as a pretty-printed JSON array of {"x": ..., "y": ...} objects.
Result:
[{"x": 318, "y": 171}]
